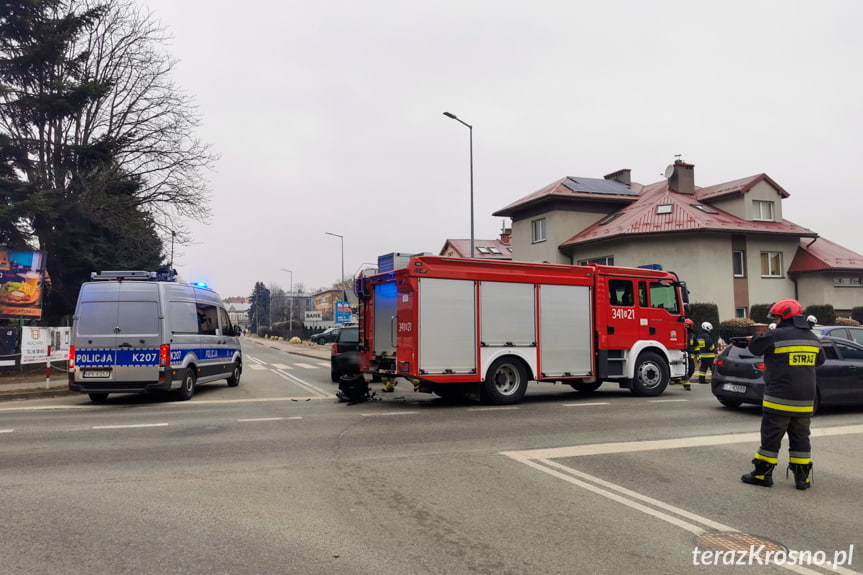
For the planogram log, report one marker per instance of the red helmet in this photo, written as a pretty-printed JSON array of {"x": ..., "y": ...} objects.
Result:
[
  {"x": 689, "y": 323},
  {"x": 785, "y": 308}
]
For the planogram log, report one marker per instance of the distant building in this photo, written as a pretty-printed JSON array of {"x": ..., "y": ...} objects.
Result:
[
  {"x": 728, "y": 241},
  {"x": 499, "y": 249}
]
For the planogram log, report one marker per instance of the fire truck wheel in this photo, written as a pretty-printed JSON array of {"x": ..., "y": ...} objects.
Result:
[
  {"x": 187, "y": 388},
  {"x": 506, "y": 381},
  {"x": 585, "y": 387},
  {"x": 651, "y": 375}
]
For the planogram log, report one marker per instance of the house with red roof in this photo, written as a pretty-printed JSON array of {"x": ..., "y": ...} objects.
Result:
[
  {"x": 498, "y": 249},
  {"x": 729, "y": 241}
]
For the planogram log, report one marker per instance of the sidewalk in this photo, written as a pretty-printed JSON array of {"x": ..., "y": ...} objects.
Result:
[{"x": 33, "y": 383}]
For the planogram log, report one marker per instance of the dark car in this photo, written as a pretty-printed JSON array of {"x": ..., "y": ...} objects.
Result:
[
  {"x": 852, "y": 333},
  {"x": 327, "y": 336},
  {"x": 345, "y": 355},
  {"x": 739, "y": 375}
]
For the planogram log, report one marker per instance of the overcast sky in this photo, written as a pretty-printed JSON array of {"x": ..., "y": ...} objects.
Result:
[{"x": 328, "y": 116}]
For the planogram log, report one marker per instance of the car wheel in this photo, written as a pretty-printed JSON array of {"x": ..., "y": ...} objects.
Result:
[
  {"x": 651, "y": 375},
  {"x": 234, "y": 378},
  {"x": 731, "y": 402},
  {"x": 334, "y": 376},
  {"x": 98, "y": 397},
  {"x": 585, "y": 387},
  {"x": 506, "y": 381},
  {"x": 187, "y": 388}
]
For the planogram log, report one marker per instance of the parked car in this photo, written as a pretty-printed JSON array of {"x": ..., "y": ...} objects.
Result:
[
  {"x": 345, "y": 358},
  {"x": 845, "y": 332},
  {"x": 329, "y": 335},
  {"x": 739, "y": 375}
]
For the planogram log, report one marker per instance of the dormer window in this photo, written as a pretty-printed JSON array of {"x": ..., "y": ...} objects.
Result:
[
  {"x": 762, "y": 211},
  {"x": 483, "y": 250},
  {"x": 664, "y": 208},
  {"x": 705, "y": 209}
]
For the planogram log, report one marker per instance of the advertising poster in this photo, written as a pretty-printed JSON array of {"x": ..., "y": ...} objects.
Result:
[
  {"x": 34, "y": 344},
  {"x": 22, "y": 277}
]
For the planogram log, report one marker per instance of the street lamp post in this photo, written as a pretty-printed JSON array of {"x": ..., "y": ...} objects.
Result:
[
  {"x": 470, "y": 130},
  {"x": 342, "y": 280},
  {"x": 291, "y": 294}
]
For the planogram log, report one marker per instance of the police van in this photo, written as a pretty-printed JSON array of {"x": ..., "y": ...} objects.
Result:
[{"x": 140, "y": 331}]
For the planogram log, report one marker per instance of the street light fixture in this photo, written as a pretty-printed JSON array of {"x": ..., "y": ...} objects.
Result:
[
  {"x": 291, "y": 293},
  {"x": 470, "y": 129},
  {"x": 342, "y": 280}
]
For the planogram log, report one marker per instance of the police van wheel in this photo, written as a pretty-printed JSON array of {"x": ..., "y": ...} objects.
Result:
[
  {"x": 506, "y": 382},
  {"x": 187, "y": 388},
  {"x": 651, "y": 375},
  {"x": 98, "y": 397},
  {"x": 234, "y": 379}
]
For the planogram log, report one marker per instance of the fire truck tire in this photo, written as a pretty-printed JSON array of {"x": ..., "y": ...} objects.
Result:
[
  {"x": 651, "y": 375},
  {"x": 506, "y": 381},
  {"x": 187, "y": 388},
  {"x": 585, "y": 387}
]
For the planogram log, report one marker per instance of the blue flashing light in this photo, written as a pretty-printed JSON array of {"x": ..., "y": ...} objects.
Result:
[{"x": 200, "y": 284}]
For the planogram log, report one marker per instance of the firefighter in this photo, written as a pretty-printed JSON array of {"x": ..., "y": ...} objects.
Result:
[
  {"x": 691, "y": 350},
  {"x": 791, "y": 353},
  {"x": 705, "y": 351}
]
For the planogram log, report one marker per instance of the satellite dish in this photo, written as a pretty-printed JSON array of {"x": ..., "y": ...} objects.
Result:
[{"x": 669, "y": 171}]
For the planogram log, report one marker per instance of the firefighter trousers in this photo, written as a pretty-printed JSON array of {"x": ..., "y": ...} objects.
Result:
[
  {"x": 774, "y": 427},
  {"x": 706, "y": 364}
]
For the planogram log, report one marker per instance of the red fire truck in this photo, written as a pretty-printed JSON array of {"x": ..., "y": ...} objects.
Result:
[{"x": 456, "y": 327}]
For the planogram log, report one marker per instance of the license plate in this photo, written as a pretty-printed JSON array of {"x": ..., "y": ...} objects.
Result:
[
  {"x": 734, "y": 387},
  {"x": 96, "y": 373}
]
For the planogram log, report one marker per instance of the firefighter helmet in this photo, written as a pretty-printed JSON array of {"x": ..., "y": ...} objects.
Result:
[
  {"x": 785, "y": 309},
  {"x": 689, "y": 323},
  {"x": 707, "y": 326}
]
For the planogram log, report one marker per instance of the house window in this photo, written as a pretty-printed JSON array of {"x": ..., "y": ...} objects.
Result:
[
  {"x": 603, "y": 261},
  {"x": 771, "y": 264},
  {"x": 740, "y": 312},
  {"x": 483, "y": 250},
  {"x": 762, "y": 210},
  {"x": 538, "y": 230},
  {"x": 610, "y": 218},
  {"x": 705, "y": 209},
  {"x": 494, "y": 250},
  {"x": 847, "y": 282},
  {"x": 663, "y": 209},
  {"x": 739, "y": 264}
]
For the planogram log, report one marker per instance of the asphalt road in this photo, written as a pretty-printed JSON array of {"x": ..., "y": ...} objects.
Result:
[{"x": 276, "y": 476}]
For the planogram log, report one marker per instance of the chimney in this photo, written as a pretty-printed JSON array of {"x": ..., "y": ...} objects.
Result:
[
  {"x": 505, "y": 233},
  {"x": 681, "y": 177},
  {"x": 622, "y": 176}
]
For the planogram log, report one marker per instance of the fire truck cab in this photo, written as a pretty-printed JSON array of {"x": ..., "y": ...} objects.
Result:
[{"x": 456, "y": 326}]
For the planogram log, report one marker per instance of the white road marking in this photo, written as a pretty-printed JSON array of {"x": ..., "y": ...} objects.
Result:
[
  {"x": 586, "y": 404},
  {"x": 502, "y": 408},
  {"x": 256, "y": 366},
  {"x": 665, "y": 400},
  {"x": 324, "y": 364},
  {"x": 305, "y": 365},
  {"x": 267, "y": 419},
  {"x": 6, "y": 430},
  {"x": 388, "y": 413},
  {"x": 304, "y": 384},
  {"x": 129, "y": 426},
  {"x": 540, "y": 459},
  {"x": 282, "y": 366}
]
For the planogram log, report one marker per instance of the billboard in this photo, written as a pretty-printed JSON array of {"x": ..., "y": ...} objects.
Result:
[{"x": 22, "y": 276}]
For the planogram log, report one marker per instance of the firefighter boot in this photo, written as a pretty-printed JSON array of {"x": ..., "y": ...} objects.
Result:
[
  {"x": 801, "y": 473},
  {"x": 687, "y": 387},
  {"x": 761, "y": 475}
]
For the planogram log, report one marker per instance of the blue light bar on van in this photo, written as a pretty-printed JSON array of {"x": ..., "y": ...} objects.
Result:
[{"x": 200, "y": 284}]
